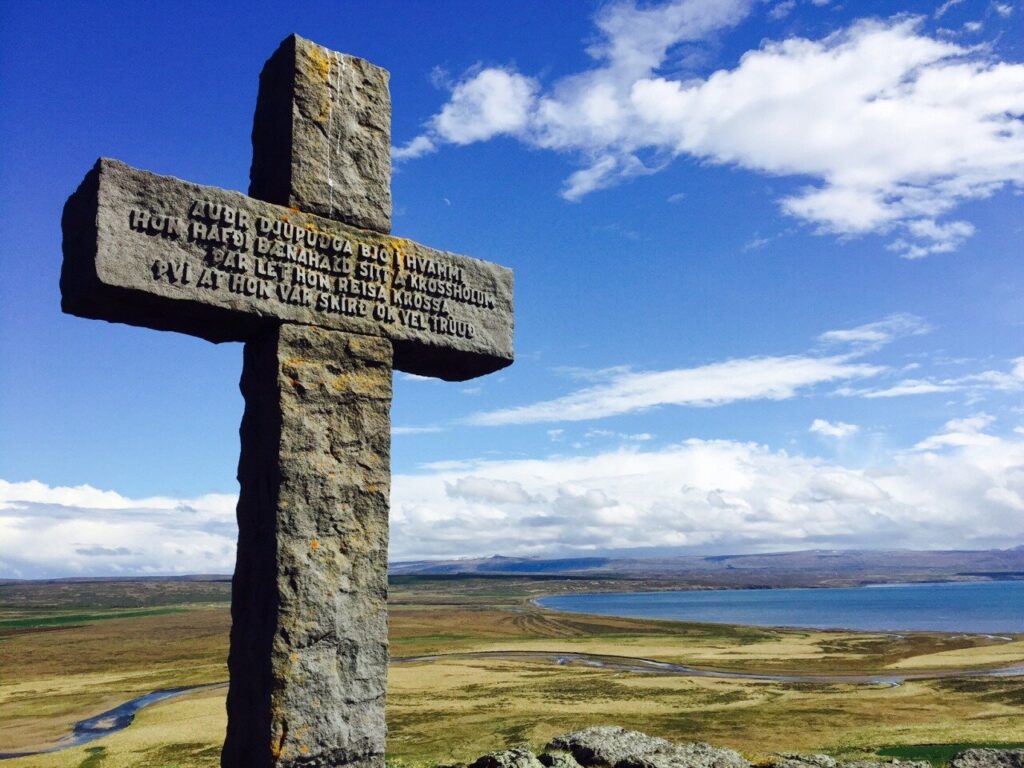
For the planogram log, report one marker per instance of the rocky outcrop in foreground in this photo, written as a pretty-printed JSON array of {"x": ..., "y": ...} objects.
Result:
[
  {"x": 613, "y": 747},
  {"x": 989, "y": 758}
]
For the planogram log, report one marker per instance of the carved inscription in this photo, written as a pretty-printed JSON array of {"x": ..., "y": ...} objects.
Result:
[{"x": 278, "y": 260}]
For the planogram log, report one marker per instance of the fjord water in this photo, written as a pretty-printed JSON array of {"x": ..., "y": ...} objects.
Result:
[{"x": 975, "y": 607}]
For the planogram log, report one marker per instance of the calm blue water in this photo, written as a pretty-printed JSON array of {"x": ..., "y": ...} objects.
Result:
[{"x": 982, "y": 607}]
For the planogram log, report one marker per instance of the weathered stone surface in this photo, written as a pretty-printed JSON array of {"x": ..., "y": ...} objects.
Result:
[
  {"x": 794, "y": 760},
  {"x": 322, "y": 135},
  {"x": 558, "y": 760},
  {"x": 614, "y": 747},
  {"x": 509, "y": 758},
  {"x": 309, "y": 652},
  {"x": 988, "y": 758},
  {"x": 162, "y": 253}
]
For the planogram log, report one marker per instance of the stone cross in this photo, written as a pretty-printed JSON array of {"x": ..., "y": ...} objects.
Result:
[{"x": 305, "y": 273}]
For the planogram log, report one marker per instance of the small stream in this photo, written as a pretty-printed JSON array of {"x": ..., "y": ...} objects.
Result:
[
  {"x": 111, "y": 721},
  {"x": 632, "y": 664}
]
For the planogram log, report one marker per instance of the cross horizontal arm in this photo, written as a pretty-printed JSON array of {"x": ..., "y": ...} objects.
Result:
[{"x": 162, "y": 253}]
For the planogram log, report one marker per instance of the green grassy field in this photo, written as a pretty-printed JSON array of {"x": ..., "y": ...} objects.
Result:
[
  {"x": 939, "y": 754},
  {"x": 74, "y": 651}
]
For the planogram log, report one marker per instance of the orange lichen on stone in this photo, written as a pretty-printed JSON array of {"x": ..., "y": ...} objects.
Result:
[
  {"x": 321, "y": 61},
  {"x": 397, "y": 243},
  {"x": 358, "y": 382},
  {"x": 314, "y": 544},
  {"x": 277, "y": 746},
  {"x": 399, "y": 246}
]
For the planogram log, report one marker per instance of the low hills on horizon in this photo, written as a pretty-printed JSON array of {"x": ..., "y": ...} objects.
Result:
[{"x": 779, "y": 569}]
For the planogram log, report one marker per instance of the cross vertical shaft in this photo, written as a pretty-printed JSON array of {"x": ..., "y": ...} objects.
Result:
[{"x": 309, "y": 655}]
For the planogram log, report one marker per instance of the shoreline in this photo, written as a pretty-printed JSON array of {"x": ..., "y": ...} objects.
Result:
[{"x": 1003, "y": 635}]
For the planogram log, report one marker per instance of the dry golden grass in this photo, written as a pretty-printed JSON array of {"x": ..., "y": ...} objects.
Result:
[
  {"x": 179, "y": 641},
  {"x": 996, "y": 655},
  {"x": 446, "y": 629},
  {"x": 487, "y": 705},
  {"x": 54, "y": 677},
  {"x": 181, "y": 733},
  {"x": 458, "y": 708}
]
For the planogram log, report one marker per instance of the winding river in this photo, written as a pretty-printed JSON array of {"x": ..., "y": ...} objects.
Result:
[
  {"x": 111, "y": 721},
  {"x": 120, "y": 717}
]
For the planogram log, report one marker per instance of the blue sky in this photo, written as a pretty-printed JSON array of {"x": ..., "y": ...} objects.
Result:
[{"x": 767, "y": 255}]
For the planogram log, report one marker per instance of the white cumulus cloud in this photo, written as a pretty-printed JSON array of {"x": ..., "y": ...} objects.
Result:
[
  {"x": 962, "y": 487},
  {"x": 893, "y": 128},
  {"x": 83, "y": 531}
]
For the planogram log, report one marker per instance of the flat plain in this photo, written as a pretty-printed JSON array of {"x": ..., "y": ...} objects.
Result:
[{"x": 71, "y": 650}]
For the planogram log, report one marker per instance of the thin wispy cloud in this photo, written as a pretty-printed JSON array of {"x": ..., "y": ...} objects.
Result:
[
  {"x": 620, "y": 390},
  {"x": 762, "y": 378},
  {"x": 400, "y": 430},
  {"x": 944, "y": 8},
  {"x": 782, "y": 10},
  {"x": 875, "y": 335},
  {"x": 838, "y": 430},
  {"x": 895, "y": 129},
  {"x": 1011, "y": 380},
  {"x": 608, "y": 434}
]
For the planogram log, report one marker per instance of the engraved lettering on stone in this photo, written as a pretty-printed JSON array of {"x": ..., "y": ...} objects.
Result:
[{"x": 278, "y": 260}]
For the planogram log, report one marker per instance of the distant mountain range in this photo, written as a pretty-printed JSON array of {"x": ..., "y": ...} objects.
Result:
[{"x": 806, "y": 568}]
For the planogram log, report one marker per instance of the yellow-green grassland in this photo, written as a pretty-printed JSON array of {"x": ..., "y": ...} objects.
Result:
[{"x": 72, "y": 650}]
